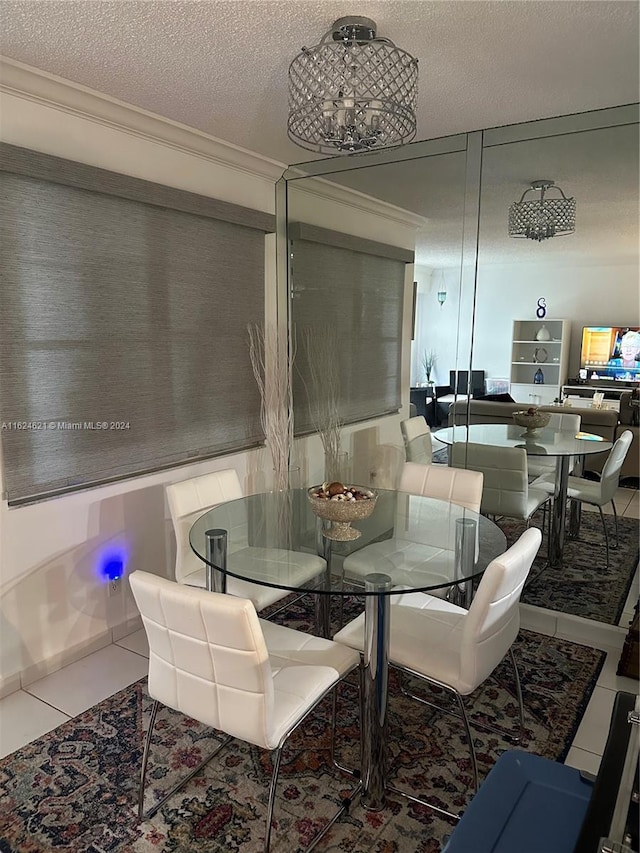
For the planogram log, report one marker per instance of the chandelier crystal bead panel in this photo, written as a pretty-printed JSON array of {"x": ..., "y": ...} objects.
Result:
[
  {"x": 352, "y": 92},
  {"x": 543, "y": 217}
]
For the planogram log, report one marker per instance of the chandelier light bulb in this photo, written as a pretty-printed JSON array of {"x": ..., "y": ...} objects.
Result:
[{"x": 352, "y": 92}]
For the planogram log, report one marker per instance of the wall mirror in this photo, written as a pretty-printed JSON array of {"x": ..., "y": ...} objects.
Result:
[
  {"x": 417, "y": 202},
  {"x": 585, "y": 278},
  {"x": 460, "y": 188}
]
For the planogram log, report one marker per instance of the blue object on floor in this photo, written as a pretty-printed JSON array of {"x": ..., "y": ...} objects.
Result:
[{"x": 527, "y": 804}]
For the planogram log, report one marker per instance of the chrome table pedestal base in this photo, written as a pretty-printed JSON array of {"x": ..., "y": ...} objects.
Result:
[{"x": 375, "y": 688}]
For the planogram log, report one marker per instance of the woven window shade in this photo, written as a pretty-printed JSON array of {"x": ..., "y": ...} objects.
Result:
[
  {"x": 124, "y": 346},
  {"x": 352, "y": 290}
]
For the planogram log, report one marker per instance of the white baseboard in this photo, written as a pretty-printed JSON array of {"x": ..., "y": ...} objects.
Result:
[
  {"x": 127, "y": 627},
  {"x": 35, "y": 671},
  {"x": 80, "y": 650},
  {"x": 9, "y": 684}
]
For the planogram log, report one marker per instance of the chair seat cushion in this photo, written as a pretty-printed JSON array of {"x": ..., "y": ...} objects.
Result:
[
  {"x": 274, "y": 565},
  {"x": 290, "y": 646},
  {"x": 428, "y": 646},
  {"x": 535, "y": 499},
  {"x": 304, "y": 667},
  {"x": 540, "y": 466},
  {"x": 578, "y": 488},
  {"x": 411, "y": 564}
]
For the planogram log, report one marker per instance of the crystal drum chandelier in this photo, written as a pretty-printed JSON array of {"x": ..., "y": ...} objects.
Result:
[
  {"x": 541, "y": 218},
  {"x": 352, "y": 92}
]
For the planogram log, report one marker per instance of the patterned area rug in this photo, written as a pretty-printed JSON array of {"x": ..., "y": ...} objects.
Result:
[
  {"x": 74, "y": 789},
  {"x": 583, "y": 586}
]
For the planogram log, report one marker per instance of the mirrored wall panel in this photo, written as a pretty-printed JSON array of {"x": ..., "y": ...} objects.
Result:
[
  {"x": 377, "y": 290},
  {"x": 481, "y": 296}
]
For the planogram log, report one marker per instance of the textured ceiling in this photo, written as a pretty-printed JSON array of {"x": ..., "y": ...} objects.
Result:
[
  {"x": 221, "y": 66},
  {"x": 600, "y": 168}
]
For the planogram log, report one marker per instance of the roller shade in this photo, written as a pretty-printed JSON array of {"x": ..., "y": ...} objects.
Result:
[
  {"x": 351, "y": 291},
  {"x": 124, "y": 346}
]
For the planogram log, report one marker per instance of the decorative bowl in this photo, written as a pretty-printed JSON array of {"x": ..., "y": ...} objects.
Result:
[
  {"x": 340, "y": 511},
  {"x": 532, "y": 420}
]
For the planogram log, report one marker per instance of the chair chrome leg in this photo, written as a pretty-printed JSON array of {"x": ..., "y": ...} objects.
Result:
[
  {"x": 146, "y": 815},
  {"x": 421, "y": 802},
  {"x": 606, "y": 535},
  {"x": 145, "y": 758},
  {"x": 348, "y": 770},
  {"x": 465, "y": 719},
  {"x": 615, "y": 518},
  {"x": 518, "y": 694},
  {"x": 472, "y": 749},
  {"x": 277, "y": 757}
]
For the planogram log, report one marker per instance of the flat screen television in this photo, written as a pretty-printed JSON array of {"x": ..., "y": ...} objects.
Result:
[{"x": 611, "y": 353}]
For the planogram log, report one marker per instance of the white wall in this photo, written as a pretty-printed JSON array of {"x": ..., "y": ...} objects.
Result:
[
  {"x": 445, "y": 328},
  {"x": 606, "y": 294},
  {"x": 603, "y": 294},
  {"x": 53, "y": 606}
]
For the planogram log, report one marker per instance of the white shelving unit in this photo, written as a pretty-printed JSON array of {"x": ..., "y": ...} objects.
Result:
[{"x": 528, "y": 354}]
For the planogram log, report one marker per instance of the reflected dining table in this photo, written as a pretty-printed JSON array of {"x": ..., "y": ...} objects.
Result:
[
  {"x": 561, "y": 444},
  {"x": 460, "y": 541}
]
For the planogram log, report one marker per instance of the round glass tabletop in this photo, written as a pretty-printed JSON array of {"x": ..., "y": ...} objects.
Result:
[
  {"x": 541, "y": 442},
  {"x": 420, "y": 543}
]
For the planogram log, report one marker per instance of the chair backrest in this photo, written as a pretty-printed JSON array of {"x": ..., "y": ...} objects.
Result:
[
  {"x": 417, "y": 440},
  {"x": 191, "y": 498},
  {"x": 564, "y": 420},
  {"x": 461, "y": 386},
  {"x": 207, "y": 656},
  {"x": 493, "y": 620},
  {"x": 610, "y": 475},
  {"x": 505, "y": 488},
  {"x": 538, "y": 465},
  {"x": 457, "y": 485}
]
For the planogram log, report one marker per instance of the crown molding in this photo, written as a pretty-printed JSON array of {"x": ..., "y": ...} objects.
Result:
[
  {"x": 29, "y": 83},
  {"x": 357, "y": 200}
]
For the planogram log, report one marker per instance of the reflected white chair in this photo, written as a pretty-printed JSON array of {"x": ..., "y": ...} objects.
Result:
[
  {"x": 506, "y": 490},
  {"x": 213, "y": 659},
  {"x": 539, "y": 465},
  {"x": 421, "y": 563},
  {"x": 458, "y": 649},
  {"x": 458, "y": 485},
  {"x": 597, "y": 494},
  {"x": 417, "y": 440},
  {"x": 189, "y": 499}
]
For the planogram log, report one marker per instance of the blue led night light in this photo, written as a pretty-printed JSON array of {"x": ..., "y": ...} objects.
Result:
[{"x": 111, "y": 567}]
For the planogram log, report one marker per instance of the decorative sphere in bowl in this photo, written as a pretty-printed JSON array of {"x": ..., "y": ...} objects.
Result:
[
  {"x": 532, "y": 419},
  {"x": 341, "y": 505}
]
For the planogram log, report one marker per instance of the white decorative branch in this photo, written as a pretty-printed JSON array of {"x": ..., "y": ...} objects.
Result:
[
  {"x": 271, "y": 362},
  {"x": 321, "y": 347}
]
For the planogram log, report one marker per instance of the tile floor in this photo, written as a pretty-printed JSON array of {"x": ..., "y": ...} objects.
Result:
[{"x": 29, "y": 713}]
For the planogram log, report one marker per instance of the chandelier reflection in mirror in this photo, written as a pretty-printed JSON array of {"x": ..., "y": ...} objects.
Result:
[
  {"x": 352, "y": 92},
  {"x": 541, "y": 218}
]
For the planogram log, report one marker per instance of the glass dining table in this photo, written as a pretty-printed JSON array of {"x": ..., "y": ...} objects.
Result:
[
  {"x": 561, "y": 444},
  {"x": 461, "y": 543}
]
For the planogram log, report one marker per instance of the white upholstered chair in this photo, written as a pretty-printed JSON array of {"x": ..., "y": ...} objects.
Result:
[
  {"x": 505, "y": 490},
  {"x": 417, "y": 440},
  {"x": 419, "y": 443},
  {"x": 422, "y": 562},
  {"x": 189, "y": 499},
  {"x": 213, "y": 659},
  {"x": 458, "y": 485},
  {"x": 537, "y": 466},
  {"x": 597, "y": 494},
  {"x": 454, "y": 648}
]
